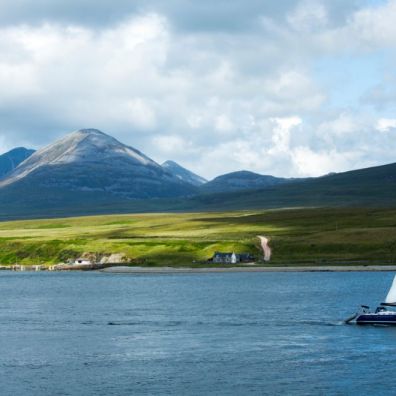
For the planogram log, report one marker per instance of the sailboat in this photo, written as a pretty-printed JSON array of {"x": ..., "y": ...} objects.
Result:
[{"x": 381, "y": 315}]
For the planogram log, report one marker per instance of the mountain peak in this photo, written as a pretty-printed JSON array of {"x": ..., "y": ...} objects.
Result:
[
  {"x": 88, "y": 145},
  {"x": 183, "y": 174},
  {"x": 10, "y": 160},
  {"x": 82, "y": 147},
  {"x": 90, "y": 160},
  {"x": 88, "y": 136},
  {"x": 91, "y": 131}
]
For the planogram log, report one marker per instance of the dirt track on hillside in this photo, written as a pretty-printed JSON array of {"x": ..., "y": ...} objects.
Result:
[{"x": 266, "y": 249}]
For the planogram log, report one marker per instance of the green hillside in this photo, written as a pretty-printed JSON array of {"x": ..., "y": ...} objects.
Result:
[
  {"x": 374, "y": 187},
  {"x": 298, "y": 236}
]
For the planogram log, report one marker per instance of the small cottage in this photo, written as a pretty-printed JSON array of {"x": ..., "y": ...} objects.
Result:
[{"x": 82, "y": 261}]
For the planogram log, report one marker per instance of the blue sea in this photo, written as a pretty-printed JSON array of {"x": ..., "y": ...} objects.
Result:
[{"x": 90, "y": 333}]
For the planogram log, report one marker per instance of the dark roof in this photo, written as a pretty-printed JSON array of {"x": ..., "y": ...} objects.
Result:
[
  {"x": 218, "y": 254},
  {"x": 245, "y": 255}
]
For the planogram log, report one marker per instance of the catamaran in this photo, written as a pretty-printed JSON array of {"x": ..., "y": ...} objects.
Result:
[{"x": 381, "y": 315}]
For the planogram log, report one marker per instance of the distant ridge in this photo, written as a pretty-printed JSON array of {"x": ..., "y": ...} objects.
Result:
[
  {"x": 241, "y": 180},
  {"x": 375, "y": 187},
  {"x": 89, "y": 172},
  {"x": 10, "y": 160}
]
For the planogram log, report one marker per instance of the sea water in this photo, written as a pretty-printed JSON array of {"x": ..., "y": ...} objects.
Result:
[{"x": 91, "y": 333}]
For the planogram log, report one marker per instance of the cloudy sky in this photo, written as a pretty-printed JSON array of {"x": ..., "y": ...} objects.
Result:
[{"x": 289, "y": 88}]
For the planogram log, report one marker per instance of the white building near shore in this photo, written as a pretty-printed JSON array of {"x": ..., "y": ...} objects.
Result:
[{"x": 82, "y": 261}]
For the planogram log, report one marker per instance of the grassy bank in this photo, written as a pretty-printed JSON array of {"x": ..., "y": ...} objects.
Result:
[{"x": 298, "y": 236}]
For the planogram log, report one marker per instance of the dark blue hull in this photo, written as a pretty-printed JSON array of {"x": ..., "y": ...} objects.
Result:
[{"x": 376, "y": 319}]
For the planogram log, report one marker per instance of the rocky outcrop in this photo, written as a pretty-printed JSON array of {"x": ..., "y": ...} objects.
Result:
[{"x": 115, "y": 258}]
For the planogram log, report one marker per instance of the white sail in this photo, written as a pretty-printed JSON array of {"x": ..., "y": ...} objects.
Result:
[{"x": 391, "y": 297}]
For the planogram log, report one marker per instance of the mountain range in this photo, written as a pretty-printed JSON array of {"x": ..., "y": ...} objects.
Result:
[
  {"x": 91, "y": 161},
  {"x": 89, "y": 172}
]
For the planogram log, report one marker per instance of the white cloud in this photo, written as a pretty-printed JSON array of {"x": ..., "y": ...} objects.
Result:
[
  {"x": 386, "y": 124},
  {"x": 368, "y": 29},
  {"x": 170, "y": 144},
  {"x": 376, "y": 25},
  {"x": 223, "y": 123},
  {"x": 308, "y": 16},
  {"x": 216, "y": 97},
  {"x": 317, "y": 163},
  {"x": 141, "y": 114},
  {"x": 281, "y": 133}
]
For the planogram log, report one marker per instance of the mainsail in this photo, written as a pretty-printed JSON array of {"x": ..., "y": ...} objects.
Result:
[{"x": 391, "y": 297}]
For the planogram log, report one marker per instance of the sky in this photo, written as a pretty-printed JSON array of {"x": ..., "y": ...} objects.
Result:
[{"x": 291, "y": 88}]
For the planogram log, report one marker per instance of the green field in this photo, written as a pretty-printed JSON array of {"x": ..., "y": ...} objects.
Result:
[{"x": 298, "y": 236}]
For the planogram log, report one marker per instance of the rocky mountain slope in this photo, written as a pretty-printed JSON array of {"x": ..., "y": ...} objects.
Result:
[{"x": 90, "y": 161}]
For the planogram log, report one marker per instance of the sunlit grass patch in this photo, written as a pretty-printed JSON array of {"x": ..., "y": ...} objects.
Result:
[{"x": 309, "y": 235}]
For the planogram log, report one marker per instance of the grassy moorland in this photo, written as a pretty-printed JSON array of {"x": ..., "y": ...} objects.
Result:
[
  {"x": 372, "y": 187},
  {"x": 298, "y": 236}
]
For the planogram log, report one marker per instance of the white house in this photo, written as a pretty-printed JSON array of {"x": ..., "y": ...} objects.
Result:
[
  {"x": 82, "y": 261},
  {"x": 233, "y": 258}
]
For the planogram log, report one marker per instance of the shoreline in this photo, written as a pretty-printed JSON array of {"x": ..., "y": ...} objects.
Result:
[{"x": 174, "y": 270}]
